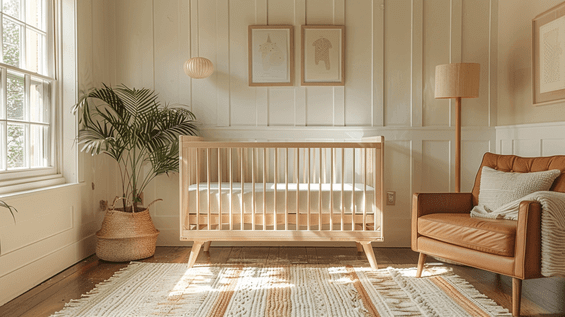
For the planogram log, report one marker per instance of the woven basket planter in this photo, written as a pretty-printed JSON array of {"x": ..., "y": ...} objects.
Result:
[{"x": 126, "y": 236}]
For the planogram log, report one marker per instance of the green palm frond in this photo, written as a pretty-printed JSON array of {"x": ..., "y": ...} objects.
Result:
[
  {"x": 12, "y": 209},
  {"x": 131, "y": 126}
]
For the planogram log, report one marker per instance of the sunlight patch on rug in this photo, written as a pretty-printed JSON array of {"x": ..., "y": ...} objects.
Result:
[{"x": 169, "y": 289}]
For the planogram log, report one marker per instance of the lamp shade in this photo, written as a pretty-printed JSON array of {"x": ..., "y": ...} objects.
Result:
[
  {"x": 198, "y": 67},
  {"x": 457, "y": 80}
]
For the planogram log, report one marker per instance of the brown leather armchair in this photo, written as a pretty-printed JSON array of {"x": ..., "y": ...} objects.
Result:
[{"x": 442, "y": 226}]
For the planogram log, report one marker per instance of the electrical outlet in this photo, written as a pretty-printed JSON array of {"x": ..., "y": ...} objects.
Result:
[{"x": 390, "y": 198}]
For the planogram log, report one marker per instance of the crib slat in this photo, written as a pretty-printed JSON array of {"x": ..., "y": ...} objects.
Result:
[
  {"x": 252, "y": 189},
  {"x": 308, "y": 196},
  {"x": 297, "y": 174},
  {"x": 320, "y": 194},
  {"x": 332, "y": 162},
  {"x": 364, "y": 189},
  {"x": 209, "y": 196},
  {"x": 242, "y": 176},
  {"x": 323, "y": 168},
  {"x": 276, "y": 152},
  {"x": 220, "y": 187},
  {"x": 197, "y": 188},
  {"x": 264, "y": 189},
  {"x": 374, "y": 207},
  {"x": 286, "y": 189},
  {"x": 353, "y": 204},
  {"x": 231, "y": 188},
  {"x": 184, "y": 173},
  {"x": 342, "y": 185}
]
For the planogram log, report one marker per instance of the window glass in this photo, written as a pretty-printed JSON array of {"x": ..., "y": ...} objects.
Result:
[{"x": 12, "y": 40}]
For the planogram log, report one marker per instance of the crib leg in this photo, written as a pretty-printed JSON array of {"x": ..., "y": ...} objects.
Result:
[
  {"x": 359, "y": 247},
  {"x": 196, "y": 245},
  {"x": 369, "y": 253},
  {"x": 206, "y": 247}
]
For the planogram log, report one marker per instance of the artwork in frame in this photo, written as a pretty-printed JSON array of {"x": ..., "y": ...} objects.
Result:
[
  {"x": 548, "y": 59},
  {"x": 323, "y": 55},
  {"x": 271, "y": 55}
]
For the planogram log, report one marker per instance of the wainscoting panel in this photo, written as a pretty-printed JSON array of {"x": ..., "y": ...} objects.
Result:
[
  {"x": 435, "y": 177},
  {"x": 540, "y": 139}
]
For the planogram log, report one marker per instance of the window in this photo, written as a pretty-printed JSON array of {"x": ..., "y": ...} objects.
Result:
[{"x": 26, "y": 91}]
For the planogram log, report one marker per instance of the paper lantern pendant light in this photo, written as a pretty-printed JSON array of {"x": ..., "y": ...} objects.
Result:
[{"x": 198, "y": 67}]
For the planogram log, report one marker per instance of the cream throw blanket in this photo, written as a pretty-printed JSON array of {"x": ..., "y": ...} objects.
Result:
[{"x": 552, "y": 227}]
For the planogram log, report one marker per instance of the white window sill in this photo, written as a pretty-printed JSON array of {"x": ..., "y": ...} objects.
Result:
[{"x": 29, "y": 185}]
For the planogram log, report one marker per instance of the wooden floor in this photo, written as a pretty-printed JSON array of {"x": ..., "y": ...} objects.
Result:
[{"x": 541, "y": 297}]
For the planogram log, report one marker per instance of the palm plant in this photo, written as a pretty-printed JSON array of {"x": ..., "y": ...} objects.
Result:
[
  {"x": 12, "y": 209},
  {"x": 130, "y": 126}
]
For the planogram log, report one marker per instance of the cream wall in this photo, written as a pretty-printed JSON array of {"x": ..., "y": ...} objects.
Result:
[
  {"x": 55, "y": 227},
  {"x": 392, "y": 48},
  {"x": 515, "y": 59}
]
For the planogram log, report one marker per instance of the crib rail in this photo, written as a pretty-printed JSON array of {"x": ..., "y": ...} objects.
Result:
[{"x": 281, "y": 186}]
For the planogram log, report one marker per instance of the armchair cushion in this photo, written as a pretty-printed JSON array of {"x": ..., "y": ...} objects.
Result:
[
  {"x": 485, "y": 235},
  {"x": 498, "y": 188}
]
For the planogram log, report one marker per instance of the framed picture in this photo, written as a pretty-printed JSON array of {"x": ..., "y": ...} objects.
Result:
[
  {"x": 548, "y": 60},
  {"x": 323, "y": 55},
  {"x": 271, "y": 55}
]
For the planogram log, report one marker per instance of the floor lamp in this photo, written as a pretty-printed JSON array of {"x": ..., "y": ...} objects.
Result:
[{"x": 457, "y": 80}]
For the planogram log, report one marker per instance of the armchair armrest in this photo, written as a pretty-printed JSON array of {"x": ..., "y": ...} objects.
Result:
[
  {"x": 528, "y": 241},
  {"x": 429, "y": 203}
]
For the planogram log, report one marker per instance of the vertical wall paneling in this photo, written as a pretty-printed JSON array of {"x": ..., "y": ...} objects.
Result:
[
  {"x": 183, "y": 47},
  {"x": 398, "y": 27},
  {"x": 135, "y": 44},
  {"x": 262, "y": 93},
  {"x": 436, "y": 178},
  {"x": 300, "y": 92},
  {"x": 417, "y": 62},
  {"x": 493, "y": 62},
  {"x": 222, "y": 67},
  {"x": 456, "y": 18},
  {"x": 436, "y": 51},
  {"x": 339, "y": 91},
  {"x": 243, "y": 101},
  {"x": 167, "y": 56},
  {"x": 281, "y": 107},
  {"x": 205, "y": 91},
  {"x": 475, "y": 49},
  {"x": 378, "y": 63},
  {"x": 358, "y": 71}
]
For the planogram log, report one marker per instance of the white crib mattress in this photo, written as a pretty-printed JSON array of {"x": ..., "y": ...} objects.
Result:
[{"x": 362, "y": 198}]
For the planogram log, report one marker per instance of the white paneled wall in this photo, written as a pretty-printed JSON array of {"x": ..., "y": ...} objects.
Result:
[
  {"x": 392, "y": 48},
  {"x": 55, "y": 227},
  {"x": 538, "y": 139}
]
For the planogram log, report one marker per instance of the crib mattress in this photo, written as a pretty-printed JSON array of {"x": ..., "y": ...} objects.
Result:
[{"x": 353, "y": 198}]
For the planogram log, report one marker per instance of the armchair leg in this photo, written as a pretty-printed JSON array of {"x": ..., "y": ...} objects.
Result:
[
  {"x": 421, "y": 261},
  {"x": 516, "y": 296}
]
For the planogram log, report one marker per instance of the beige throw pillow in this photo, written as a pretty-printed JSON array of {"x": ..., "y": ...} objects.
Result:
[{"x": 499, "y": 188}]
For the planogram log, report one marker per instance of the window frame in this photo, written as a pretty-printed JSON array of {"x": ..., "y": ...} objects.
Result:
[{"x": 28, "y": 177}]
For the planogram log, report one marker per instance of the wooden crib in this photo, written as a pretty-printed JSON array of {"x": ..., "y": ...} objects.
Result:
[{"x": 281, "y": 191}]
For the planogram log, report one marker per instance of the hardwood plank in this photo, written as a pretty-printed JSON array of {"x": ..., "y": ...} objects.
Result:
[
  {"x": 312, "y": 256},
  {"x": 219, "y": 254}
]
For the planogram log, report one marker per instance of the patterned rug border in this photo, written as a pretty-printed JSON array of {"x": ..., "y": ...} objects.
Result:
[{"x": 384, "y": 292}]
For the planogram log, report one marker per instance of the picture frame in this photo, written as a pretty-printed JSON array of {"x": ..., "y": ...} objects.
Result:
[
  {"x": 548, "y": 68},
  {"x": 323, "y": 55},
  {"x": 271, "y": 55}
]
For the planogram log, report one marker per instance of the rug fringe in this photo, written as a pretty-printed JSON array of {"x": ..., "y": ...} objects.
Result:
[{"x": 98, "y": 288}]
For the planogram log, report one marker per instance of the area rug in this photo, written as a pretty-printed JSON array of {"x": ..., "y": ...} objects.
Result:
[{"x": 170, "y": 289}]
